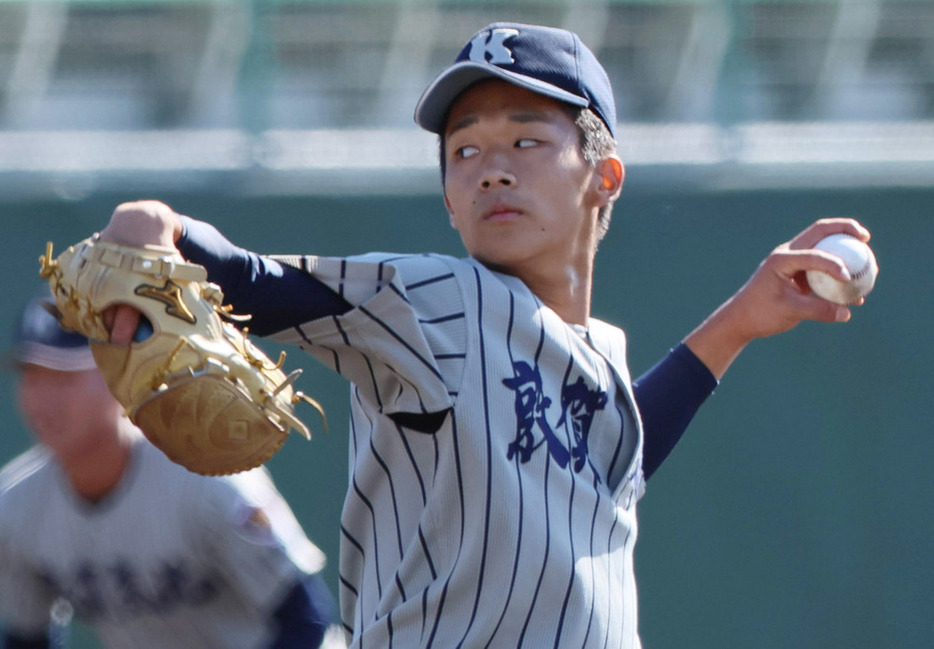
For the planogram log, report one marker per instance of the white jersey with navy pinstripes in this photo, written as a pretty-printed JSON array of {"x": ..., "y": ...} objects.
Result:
[
  {"x": 513, "y": 523},
  {"x": 169, "y": 559}
]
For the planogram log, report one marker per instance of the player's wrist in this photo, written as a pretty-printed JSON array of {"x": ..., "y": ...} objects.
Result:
[{"x": 719, "y": 339}]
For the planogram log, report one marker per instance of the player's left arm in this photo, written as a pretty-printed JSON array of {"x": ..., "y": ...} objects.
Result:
[
  {"x": 276, "y": 295},
  {"x": 776, "y": 298}
]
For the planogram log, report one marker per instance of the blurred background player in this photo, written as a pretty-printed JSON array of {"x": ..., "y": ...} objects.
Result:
[{"x": 146, "y": 553}]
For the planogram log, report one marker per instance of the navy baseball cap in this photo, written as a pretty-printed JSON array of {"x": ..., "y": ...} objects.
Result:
[
  {"x": 38, "y": 339},
  {"x": 550, "y": 61}
]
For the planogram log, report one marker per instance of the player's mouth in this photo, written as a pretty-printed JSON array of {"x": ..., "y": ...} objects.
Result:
[{"x": 501, "y": 212}]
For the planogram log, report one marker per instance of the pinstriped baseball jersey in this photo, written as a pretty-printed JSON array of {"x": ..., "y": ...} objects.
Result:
[
  {"x": 513, "y": 523},
  {"x": 170, "y": 559}
]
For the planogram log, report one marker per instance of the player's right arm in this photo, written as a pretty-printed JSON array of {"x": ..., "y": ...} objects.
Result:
[{"x": 776, "y": 298}]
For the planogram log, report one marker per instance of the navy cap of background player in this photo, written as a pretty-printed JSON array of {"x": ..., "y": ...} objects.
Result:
[
  {"x": 553, "y": 62},
  {"x": 38, "y": 339}
]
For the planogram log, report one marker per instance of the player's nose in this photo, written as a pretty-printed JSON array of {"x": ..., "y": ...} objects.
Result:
[{"x": 497, "y": 177}]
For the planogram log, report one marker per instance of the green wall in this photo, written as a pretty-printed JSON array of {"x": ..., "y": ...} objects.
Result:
[{"x": 797, "y": 511}]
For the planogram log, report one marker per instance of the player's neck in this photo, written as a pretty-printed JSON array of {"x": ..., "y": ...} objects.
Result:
[
  {"x": 563, "y": 279},
  {"x": 567, "y": 292}
]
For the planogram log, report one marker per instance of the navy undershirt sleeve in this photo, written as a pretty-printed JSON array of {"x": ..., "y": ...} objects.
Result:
[
  {"x": 276, "y": 295},
  {"x": 304, "y": 615},
  {"x": 668, "y": 396}
]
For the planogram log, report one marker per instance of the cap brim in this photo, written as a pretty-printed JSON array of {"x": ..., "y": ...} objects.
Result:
[
  {"x": 432, "y": 109},
  {"x": 76, "y": 359}
]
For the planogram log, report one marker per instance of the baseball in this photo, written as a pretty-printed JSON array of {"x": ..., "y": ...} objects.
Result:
[{"x": 859, "y": 260}]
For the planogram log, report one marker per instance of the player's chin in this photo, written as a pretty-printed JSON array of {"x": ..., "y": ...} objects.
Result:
[
  {"x": 501, "y": 263},
  {"x": 508, "y": 249}
]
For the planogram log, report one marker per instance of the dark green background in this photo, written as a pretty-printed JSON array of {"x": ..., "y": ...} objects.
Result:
[{"x": 797, "y": 511}]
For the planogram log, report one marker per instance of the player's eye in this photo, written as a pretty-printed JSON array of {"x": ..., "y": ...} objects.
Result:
[
  {"x": 525, "y": 143},
  {"x": 467, "y": 151}
]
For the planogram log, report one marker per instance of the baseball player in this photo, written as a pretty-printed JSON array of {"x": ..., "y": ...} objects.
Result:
[
  {"x": 145, "y": 553},
  {"x": 497, "y": 445}
]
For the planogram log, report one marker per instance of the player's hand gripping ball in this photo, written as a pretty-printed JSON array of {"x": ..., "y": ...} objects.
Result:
[
  {"x": 195, "y": 385},
  {"x": 860, "y": 262}
]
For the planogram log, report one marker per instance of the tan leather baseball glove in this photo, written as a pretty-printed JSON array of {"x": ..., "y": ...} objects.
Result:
[{"x": 196, "y": 386}]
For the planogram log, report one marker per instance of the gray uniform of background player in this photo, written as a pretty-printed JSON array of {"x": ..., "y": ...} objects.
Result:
[
  {"x": 433, "y": 334},
  {"x": 204, "y": 572}
]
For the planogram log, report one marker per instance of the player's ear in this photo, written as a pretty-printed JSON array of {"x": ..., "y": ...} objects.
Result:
[{"x": 611, "y": 174}]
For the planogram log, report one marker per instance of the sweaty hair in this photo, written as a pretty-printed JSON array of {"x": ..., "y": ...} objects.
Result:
[{"x": 596, "y": 145}]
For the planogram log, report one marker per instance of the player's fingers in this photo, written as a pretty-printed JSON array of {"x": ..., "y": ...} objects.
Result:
[
  {"x": 800, "y": 303},
  {"x": 821, "y": 310},
  {"x": 794, "y": 263},
  {"x": 809, "y": 237},
  {"x": 122, "y": 321}
]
